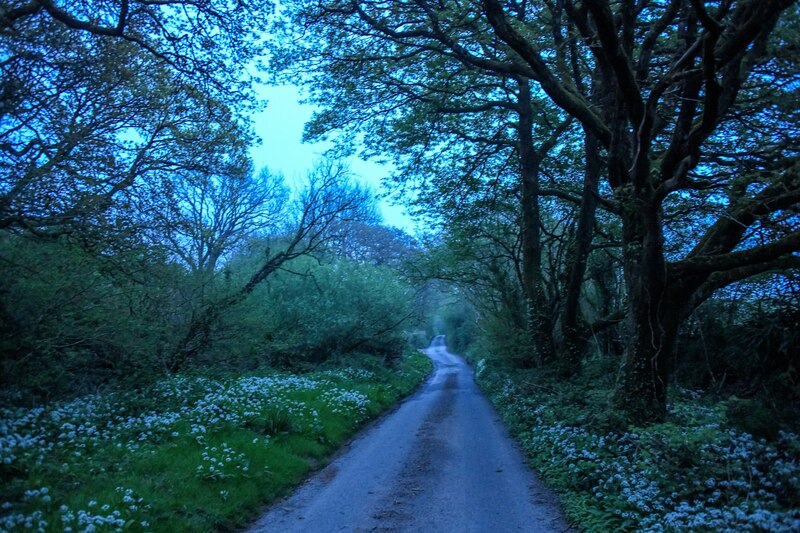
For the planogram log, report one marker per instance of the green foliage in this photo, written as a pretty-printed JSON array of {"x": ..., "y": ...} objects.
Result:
[
  {"x": 72, "y": 320},
  {"x": 271, "y": 421},
  {"x": 748, "y": 349},
  {"x": 507, "y": 339},
  {"x": 314, "y": 310},
  {"x": 99, "y": 130},
  {"x": 696, "y": 472},
  {"x": 419, "y": 338},
  {"x": 458, "y": 322},
  {"x": 189, "y": 453},
  {"x": 752, "y": 417},
  {"x": 501, "y": 331}
]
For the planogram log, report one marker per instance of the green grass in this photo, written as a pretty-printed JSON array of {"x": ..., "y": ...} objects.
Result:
[{"x": 190, "y": 454}]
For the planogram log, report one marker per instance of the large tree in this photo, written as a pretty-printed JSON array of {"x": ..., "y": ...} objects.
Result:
[
  {"x": 213, "y": 213},
  {"x": 676, "y": 71},
  {"x": 102, "y": 100},
  {"x": 459, "y": 133},
  {"x": 211, "y": 42},
  {"x": 659, "y": 88},
  {"x": 324, "y": 209}
]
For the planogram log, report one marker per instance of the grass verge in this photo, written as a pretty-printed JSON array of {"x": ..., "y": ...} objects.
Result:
[
  {"x": 191, "y": 453},
  {"x": 697, "y": 472}
]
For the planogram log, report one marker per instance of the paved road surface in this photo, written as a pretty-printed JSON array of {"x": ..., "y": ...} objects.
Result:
[{"x": 442, "y": 462}]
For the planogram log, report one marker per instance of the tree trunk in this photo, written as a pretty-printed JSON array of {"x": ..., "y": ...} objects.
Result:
[
  {"x": 573, "y": 330},
  {"x": 653, "y": 314},
  {"x": 539, "y": 317}
]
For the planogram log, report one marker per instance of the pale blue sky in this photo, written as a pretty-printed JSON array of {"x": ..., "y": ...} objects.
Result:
[{"x": 280, "y": 127}]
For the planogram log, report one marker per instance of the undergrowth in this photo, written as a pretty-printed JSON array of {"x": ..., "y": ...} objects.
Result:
[
  {"x": 698, "y": 471},
  {"x": 191, "y": 453}
]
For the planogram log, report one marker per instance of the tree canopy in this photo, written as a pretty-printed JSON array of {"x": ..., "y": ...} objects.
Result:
[{"x": 676, "y": 110}]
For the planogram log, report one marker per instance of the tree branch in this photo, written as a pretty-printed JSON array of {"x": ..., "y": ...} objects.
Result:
[
  {"x": 571, "y": 102},
  {"x": 707, "y": 264}
]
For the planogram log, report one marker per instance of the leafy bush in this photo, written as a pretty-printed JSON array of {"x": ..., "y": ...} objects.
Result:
[
  {"x": 459, "y": 325},
  {"x": 751, "y": 350},
  {"x": 316, "y": 311},
  {"x": 71, "y": 320}
]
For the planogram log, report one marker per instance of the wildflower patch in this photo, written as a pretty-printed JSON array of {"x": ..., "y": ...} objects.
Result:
[
  {"x": 191, "y": 453},
  {"x": 693, "y": 473}
]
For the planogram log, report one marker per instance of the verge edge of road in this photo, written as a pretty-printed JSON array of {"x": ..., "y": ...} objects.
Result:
[{"x": 319, "y": 466}]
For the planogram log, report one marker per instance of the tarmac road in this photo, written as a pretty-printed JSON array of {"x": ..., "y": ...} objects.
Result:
[{"x": 442, "y": 462}]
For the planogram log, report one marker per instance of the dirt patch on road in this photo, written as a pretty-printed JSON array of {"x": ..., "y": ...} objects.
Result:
[
  {"x": 327, "y": 475},
  {"x": 425, "y": 463}
]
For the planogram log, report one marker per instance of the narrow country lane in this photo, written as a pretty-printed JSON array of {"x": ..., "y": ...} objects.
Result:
[{"x": 442, "y": 462}]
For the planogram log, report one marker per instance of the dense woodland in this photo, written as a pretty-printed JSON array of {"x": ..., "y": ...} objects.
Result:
[
  {"x": 603, "y": 175},
  {"x": 138, "y": 239},
  {"x": 594, "y": 178},
  {"x": 598, "y": 185}
]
